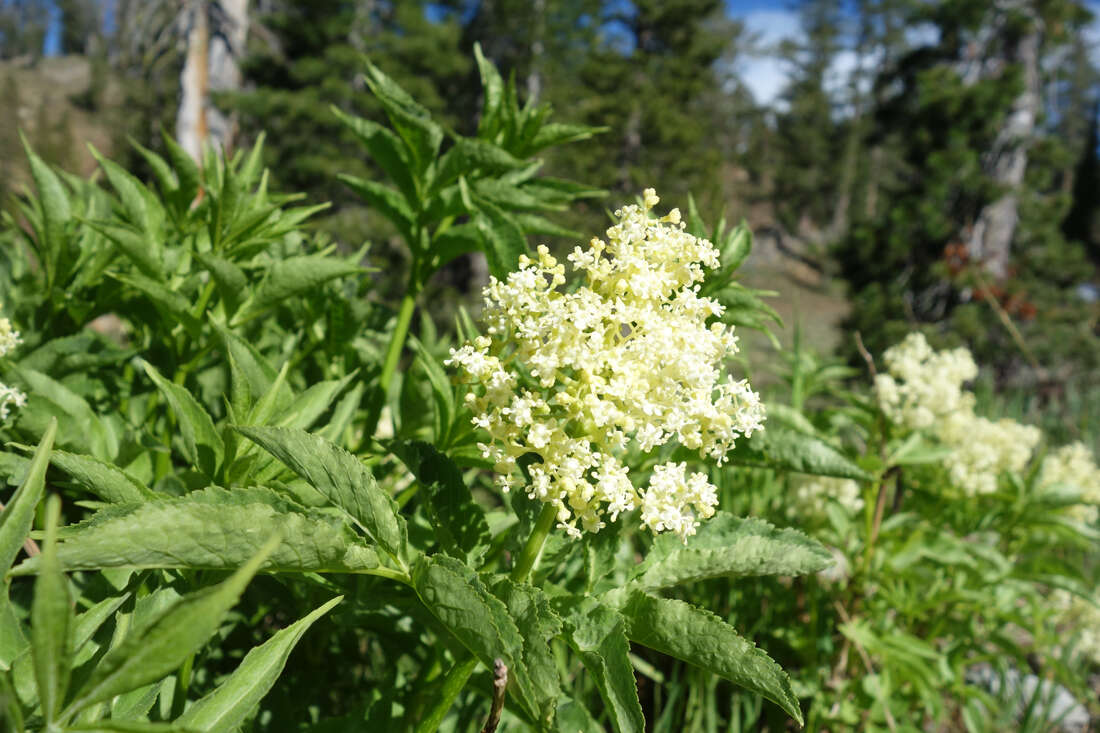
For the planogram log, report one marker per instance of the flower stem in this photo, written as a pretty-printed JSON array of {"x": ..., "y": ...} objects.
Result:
[
  {"x": 529, "y": 556},
  {"x": 397, "y": 340}
]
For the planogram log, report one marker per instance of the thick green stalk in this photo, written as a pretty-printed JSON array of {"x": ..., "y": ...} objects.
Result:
[
  {"x": 452, "y": 685},
  {"x": 397, "y": 339},
  {"x": 529, "y": 556}
]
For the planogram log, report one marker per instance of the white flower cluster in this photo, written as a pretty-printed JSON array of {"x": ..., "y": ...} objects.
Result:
[
  {"x": 625, "y": 359},
  {"x": 812, "y": 493},
  {"x": 1074, "y": 465},
  {"x": 984, "y": 449},
  {"x": 1082, "y": 618},
  {"x": 9, "y": 339},
  {"x": 924, "y": 390},
  {"x": 923, "y": 384}
]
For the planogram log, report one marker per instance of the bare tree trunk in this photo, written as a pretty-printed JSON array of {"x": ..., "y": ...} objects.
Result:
[
  {"x": 214, "y": 50},
  {"x": 991, "y": 236},
  {"x": 224, "y": 57},
  {"x": 191, "y": 126}
]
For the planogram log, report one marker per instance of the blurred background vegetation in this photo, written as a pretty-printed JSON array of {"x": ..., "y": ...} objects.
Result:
[{"x": 905, "y": 164}]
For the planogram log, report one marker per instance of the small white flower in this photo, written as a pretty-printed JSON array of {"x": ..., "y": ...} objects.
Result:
[
  {"x": 9, "y": 339},
  {"x": 1074, "y": 465},
  {"x": 813, "y": 492}
]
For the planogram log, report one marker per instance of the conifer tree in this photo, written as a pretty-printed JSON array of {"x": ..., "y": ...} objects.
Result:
[
  {"x": 652, "y": 81},
  {"x": 949, "y": 104}
]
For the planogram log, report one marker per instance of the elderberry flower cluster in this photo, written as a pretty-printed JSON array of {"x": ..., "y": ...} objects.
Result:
[
  {"x": 1074, "y": 465},
  {"x": 1080, "y": 617},
  {"x": 9, "y": 339},
  {"x": 983, "y": 449},
  {"x": 812, "y": 493},
  {"x": 633, "y": 357},
  {"x": 922, "y": 384},
  {"x": 924, "y": 390}
]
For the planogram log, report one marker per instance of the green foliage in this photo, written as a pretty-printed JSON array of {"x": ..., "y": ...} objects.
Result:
[{"x": 249, "y": 445}]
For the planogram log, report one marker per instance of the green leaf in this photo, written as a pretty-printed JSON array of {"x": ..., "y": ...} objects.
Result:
[
  {"x": 216, "y": 529},
  {"x": 166, "y": 178},
  {"x": 159, "y": 647},
  {"x": 187, "y": 171},
  {"x": 87, "y": 623},
  {"x": 233, "y": 700},
  {"x": 700, "y": 638},
  {"x": 492, "y": 86},
  {"x": 385, "y": 148},
  {"x": 455, "y": 241},
  {"x": 18, "y": 513},
  {"x": 504, "y": 240},
  {"x": 83, "y": 427},
  {"x": 555, "y": 133},
  {"x": 134, "y": 245},
  {"x": 387, "y": 201},
  {"x": 413, "y": 123},
  {"x": 513, "y": 197},
  {"x": 598, "y": 636},
  {"x": 167, "y": 300},
  {"x": 535, "y": 224},
  {"x": 102, "y": 479},
  {"x": 291, "y": 277},
  {"x": 458, "y": 598},
  {"x": 312, "y": 403},
  {"x": 727, "y": 546},
  {"x": 56, "y": 211},
  {"x": 203, "y": 445},
  {"x": 737, "y": 246},
  {"x": 13, "y": 642},
  {"x": 538, "y": 624},
  {"x": 51, "y": 623},
  {"x": 468, "y": 156},
  {"x": 128, "y": 726},
  {"x": 252, "y": 365},
  {"x": 442, "y": 391},
  {"x": 459, "y": 523},
  {"x": 142, "y": 208},
  {"x": 791, "y": 451},
  {"x": 791, "y": 418},
  {"x": 340, "y": 477},
  {"x": 230, "y": 279}
]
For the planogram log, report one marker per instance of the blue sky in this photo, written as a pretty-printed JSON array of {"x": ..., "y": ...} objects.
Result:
[
  {"x": 770, "y": 21},
  {"x": 775, "y": 20}
]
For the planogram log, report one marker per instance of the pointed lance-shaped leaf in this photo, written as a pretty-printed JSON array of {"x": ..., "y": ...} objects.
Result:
[
  {"x": 727, "y": 546},
  {"x": 153, "y": 650},
  {"x": 702, "y": 639},
  {"x": 51, "y": 623},
  {"x": 230, "y": 703},
  {"x": 18, "y": 514},
  {"x": 216, "y": 529},
  {"x": 341, "y": 478}
]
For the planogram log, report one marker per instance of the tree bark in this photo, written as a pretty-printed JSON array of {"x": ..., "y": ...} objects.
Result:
[
  {"x": 215, "y": 33},
  {"x": 227, "y": 47},
  {"x": 990, "y": 238},
  {"x": 191, "y": 126}
]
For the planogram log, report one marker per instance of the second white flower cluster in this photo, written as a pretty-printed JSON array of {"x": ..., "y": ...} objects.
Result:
[{"x": 923, "y": 389}]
